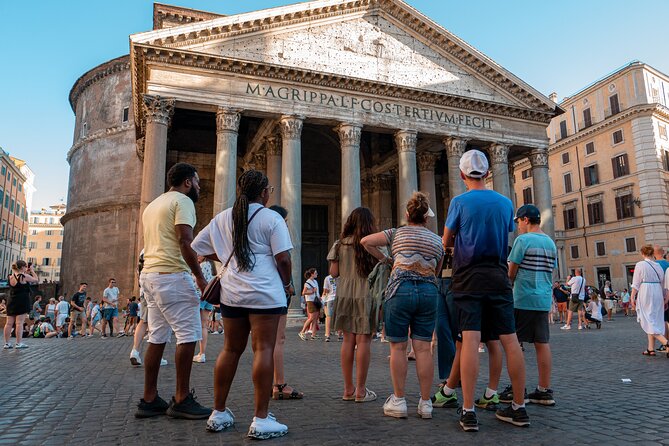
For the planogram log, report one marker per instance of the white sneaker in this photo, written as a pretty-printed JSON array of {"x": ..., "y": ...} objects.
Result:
[
  {"x": 481, "y": 350},
  {"x": 213, "y": 333},
  {"x": 21, "y": 345},
  {"x": 580, "y": 327},
  {"x": 163, "y": 362},
  {"x": 565, "y": 327},
  {"x": 8, "y": 346},
  {"x": 266, "y": 428},
  {"x": 199, "y": 358},
  {"x": 395, "y": 407},
  {"x": 134, "y": 358},
  {"x": 425, "y": 409},
  {"x": 219, "y": 421}
]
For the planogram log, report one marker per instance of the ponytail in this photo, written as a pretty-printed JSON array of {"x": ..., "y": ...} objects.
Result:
[{"x": 250, "y": 185}]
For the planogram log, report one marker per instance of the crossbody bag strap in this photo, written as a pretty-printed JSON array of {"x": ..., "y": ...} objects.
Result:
[
  {"x": 249, "y": 222},
  {"x": 654, "y": 270}
]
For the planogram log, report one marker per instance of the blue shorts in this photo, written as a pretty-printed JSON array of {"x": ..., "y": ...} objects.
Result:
[
  {"x": 329, "y": 308},
  {"x": 96, "y": 319},
  {"x": 206, "y": 306},
  {"x": 109, "y": 313},
  {"x": 414, "y": 306}
]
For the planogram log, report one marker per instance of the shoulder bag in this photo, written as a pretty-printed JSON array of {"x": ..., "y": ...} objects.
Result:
[{"x": 212, "y": 293}]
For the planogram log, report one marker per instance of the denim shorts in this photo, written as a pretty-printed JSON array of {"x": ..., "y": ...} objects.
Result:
[
  {"x": 109, "y": 313},
  {"x": 206, "y": 306},
  {"x": 414, "y": 306}
]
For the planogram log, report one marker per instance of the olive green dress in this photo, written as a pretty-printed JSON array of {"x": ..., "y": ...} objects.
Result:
[{"x": 354, "y": 307}]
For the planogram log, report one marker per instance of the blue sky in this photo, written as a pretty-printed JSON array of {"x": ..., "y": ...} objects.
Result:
[{"x": 46, "y": 45}]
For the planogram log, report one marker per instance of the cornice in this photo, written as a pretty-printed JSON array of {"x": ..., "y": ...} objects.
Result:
[
  {"x": 143, "y": 55},
  {"x": 96, "y": 74},
  {"x": 96, "y": 135},
  {"x": 440, "y": 39},
  {"x": 100, "y": 206}
]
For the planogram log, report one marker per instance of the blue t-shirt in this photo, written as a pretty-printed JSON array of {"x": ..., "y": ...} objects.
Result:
[
  {"x": 536, "y": 256},
  {"x": 663, "y": 263},
  {"x": 481, "y": 221}
]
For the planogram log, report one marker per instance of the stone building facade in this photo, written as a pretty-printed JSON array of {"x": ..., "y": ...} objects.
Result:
[
  {"x": 45, "y": 242},
  {"x": 341, "y": 103},
  {"x": 14, "y": 185},
  {"x": 609, "y": 169}
]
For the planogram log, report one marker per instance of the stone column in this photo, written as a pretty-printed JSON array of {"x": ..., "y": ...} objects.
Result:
[
  {"x": 455, "y": 147},
  {"x": 542, "y": 189},
  {"x": 499, "y": 157},
  {"x": 385, "y": 217},
  {"x": 225, "y": 180},
  {"x": 349, "y": 138},
  {"x": 291, "y": 191},
  {"x": 158, "y": 112},
  {"x": 426, "y": 162},
  {"x": 273, "y": 146},
  {"x": 405, "y": 142}
]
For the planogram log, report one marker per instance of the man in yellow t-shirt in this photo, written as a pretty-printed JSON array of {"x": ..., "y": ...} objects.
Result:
[{"x": 169, "y": 290}]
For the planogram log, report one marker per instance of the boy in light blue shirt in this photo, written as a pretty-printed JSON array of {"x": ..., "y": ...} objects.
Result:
[{"x": 531, "y": 263}]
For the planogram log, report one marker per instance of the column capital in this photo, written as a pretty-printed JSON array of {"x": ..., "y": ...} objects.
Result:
[
  {"x": 499, "y": 153},
  {"x": 291, "y": 126},
  {"x": 381, "y": 182},
  {"x": 260, "y": 160},
  {"x": 426, "y": 161},
  {"x": 405, "y": 140},
  {"x": 273, "y": 145},
  {"x": 158, "y": 109},
  {"x": 455, "y": 147},
  {"x": 349, "y": 134},
  {"x": 227, "y": 119},
  {"x": 539, "y": 158}
]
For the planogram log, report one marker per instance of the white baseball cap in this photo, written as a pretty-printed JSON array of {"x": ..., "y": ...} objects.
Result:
[{"x": 474, "y": 164}]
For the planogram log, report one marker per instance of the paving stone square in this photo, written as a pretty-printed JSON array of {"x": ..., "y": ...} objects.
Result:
[{"x": 84, "y": 391}]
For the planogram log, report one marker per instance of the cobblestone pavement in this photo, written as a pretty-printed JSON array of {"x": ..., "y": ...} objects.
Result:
[{"x": 84, "y": 391}]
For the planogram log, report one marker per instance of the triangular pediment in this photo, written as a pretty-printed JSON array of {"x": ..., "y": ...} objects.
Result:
[{"x": 383, "y": 41}]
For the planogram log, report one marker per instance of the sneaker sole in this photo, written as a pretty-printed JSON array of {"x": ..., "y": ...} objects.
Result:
[
  {"x": 490, "y": 406},
  {"x": 425, "y": 415},
  {"x": 148, "y": 413},
  {"x": 266, "y": 435},
  {"x": 395, "y": 414},
  {"x": 468, "y": 428},
  {"x": 512, "y": 421},
  {"x": 543, "y": 402},
  {"x": 186, "y": 416},
  {"x": 135, "y": 362},
  {"x": 527, "y": 400},
  {"x": 447, "y": 405},
  {"x": 216, "y": 427}
]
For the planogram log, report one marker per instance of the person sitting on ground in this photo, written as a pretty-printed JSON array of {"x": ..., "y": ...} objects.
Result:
[
  {"x": 593, "y": 312},
  {"x": 46, "y": 329}
]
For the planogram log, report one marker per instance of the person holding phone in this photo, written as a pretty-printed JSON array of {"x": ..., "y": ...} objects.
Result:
[{"x": 18, "y": 304}]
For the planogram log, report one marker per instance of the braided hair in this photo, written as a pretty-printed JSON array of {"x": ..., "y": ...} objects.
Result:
[{"x": 249, "y": 187}]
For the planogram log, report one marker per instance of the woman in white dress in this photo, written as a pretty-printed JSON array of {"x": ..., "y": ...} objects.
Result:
[{"x": 649, "y": 298}]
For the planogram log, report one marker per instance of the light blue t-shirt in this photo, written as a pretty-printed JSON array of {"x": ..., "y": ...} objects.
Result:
[
  {"x": 663, "y": 263},
  {"x": 481, "y": 221},
  {"x": 536, "y": 256}
]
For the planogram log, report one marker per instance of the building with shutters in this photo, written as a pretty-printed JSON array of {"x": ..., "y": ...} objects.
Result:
[
  {"x": 609, "y": 171},
  {"x": 45, "y": 242}
]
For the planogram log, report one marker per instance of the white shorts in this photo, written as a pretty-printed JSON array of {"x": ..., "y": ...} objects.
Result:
[
  {"x": 60, "y": 320},
  {"x": 172, "y": 305}
]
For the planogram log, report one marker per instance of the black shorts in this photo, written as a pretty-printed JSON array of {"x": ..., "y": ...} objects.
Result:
[
  {"x": 666, "y": 315},
  {"x": 238, "y": 312},
  {"x": 490, "y": 314},
  {"x": 532, "y": 326}
]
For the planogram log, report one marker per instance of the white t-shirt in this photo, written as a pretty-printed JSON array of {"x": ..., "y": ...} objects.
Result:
[
  {"x": 111, "y": 294},
  {"x": 268, "y": 236},
  {"x": 95, "y": 311},
  {"x": 46, "y": 327},
  {"x": 595, "y": 309},
  {"x": 577, "y": 284},
  {"x": 63, "y": 308},
  {"x": 330, "y": 284},
  {"x": 312, "y": 288}
]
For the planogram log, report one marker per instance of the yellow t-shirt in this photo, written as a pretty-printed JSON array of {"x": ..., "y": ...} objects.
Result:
[{"x": 161, "y": 246}]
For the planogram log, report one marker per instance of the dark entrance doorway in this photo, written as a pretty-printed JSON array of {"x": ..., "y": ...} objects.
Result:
[
  {"x": 603, "y": 274},
  {"x": 314, "y": 240}
]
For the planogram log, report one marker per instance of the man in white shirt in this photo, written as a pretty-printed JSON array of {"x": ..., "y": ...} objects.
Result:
[
  {"x": 577, "y": 300},
  {"x": 329, "y": 295},
  {"x": 110, "y": 308},
  {"x": 62, "y": 312}
]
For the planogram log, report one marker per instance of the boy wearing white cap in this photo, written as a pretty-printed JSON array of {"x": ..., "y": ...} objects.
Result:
[{"x": 478, "y": 226}]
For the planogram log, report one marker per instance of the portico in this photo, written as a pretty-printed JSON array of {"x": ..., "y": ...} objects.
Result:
[{"x": 331, "y": 134}]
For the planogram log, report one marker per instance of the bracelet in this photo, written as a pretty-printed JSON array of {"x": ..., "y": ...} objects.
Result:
[{"x": 287, "y": 285}]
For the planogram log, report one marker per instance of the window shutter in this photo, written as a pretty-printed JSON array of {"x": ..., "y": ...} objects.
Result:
[
  {"x": 626, "y": 168},
  {"x": 566, "y": 219},
  {"x": 590, "y": 213},
  {"x": 619, "y": 208},
  {"x": 586, "y": 174},
  {"x": 614, "y": 166}
]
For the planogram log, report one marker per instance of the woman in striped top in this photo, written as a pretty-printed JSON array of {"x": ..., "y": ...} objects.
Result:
[{"x": 410, "y": 300}]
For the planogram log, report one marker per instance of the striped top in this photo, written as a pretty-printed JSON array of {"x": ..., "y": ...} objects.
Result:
[
  {"x": 536, "y": 256},
  {"x": 416, "y": 252}
]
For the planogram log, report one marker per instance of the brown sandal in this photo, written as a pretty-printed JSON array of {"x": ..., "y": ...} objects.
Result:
[
  {"x": 649, "y": 353},
  {"x": 279, "y": 394}
]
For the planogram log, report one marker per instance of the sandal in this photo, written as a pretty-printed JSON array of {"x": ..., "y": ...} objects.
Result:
[
  {"x": 369, "y": 396},
  {"x": 279, "y": 394},
  {"x": 350, "y": 397},
  {"x": 649, "y": 353}
]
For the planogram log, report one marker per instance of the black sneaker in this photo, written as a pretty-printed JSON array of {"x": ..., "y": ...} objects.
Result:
[
  {"x": 147, "y": 410},
  {"x": 516, "y": 417},
  {"x": 468, "y": 421},
  {"x": 543, "y": 398},
  {"x": 507, "y": 395},
  {"x": 188, "y": 409}
]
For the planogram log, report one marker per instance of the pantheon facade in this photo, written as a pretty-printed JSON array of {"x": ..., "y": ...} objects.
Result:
[{"x": 341, "y": 103}]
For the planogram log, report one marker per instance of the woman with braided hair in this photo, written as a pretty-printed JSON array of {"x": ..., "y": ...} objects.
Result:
[{"x": 253, "y": 244}]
